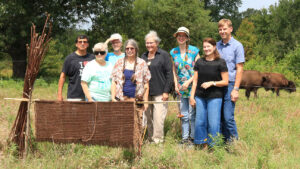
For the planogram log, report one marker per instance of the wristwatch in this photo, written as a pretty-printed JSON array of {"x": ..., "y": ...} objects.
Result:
[
  {"x": 236, "y": 88},
  {"x": 214, "y": 83}
]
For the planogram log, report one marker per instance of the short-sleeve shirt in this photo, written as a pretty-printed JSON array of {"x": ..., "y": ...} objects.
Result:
[
  {"x": 98, "y": 80},
  {"x": 184, "y": 68},
  {"x": 73, "y": 67},
  {"x": 233, "y": 53},
  {"x": 209, "y": 71},
  {"x": 112, "y": 58}
]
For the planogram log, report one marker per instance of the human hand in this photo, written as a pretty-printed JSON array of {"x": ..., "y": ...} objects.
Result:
[
  {"x": 234, "y": 95},
  {"x": 192, "y": 102},
  {"x": 165, "y": 96},
  {"x": 90, "y": 100},
  {"x": 177, "y": 90},
  {"x": 60, "y": 98},
  {"x": 185, "y": 85},
  {"x": 206, "y": 85},
  {"x": 145, "y": 107}
]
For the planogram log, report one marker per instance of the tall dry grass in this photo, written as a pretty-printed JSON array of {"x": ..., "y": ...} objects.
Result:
[{"x": 269, "y": 131}]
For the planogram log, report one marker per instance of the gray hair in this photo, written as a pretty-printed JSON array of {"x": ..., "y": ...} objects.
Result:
[
  {"x": 99, "y": 46},
  {"x": 154, "y": 35},
  {"x": 134, "y": 44}
]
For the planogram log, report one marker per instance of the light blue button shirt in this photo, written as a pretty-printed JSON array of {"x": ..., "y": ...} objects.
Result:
[{"x": 233, "y": 53}]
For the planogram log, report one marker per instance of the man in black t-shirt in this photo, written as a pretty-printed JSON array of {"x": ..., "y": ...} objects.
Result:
[{"x": 72, "y": 68}]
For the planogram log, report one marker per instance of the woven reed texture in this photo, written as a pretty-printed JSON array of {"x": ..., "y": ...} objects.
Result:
[{"x": 102, "y": 123}]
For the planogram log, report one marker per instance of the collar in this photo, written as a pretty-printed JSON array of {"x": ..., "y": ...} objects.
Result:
[
  {"x": 158, "y": 51},
  {"x": 229, "y": 42}
]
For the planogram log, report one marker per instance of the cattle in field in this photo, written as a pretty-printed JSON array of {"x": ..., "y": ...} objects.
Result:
[
  {"x": 251, "y": 81},
  {"x": 277, "y": 81}
]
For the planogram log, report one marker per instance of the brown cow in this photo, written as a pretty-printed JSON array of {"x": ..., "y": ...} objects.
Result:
[
  {"x": 277, "y": 82},
  {"x": 251, "y": 81}
]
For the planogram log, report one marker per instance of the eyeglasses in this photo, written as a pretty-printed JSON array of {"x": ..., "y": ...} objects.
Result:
[
  {"x": 181, "y": 36},
  {"x": 99, "y": 52},
  {"x": 129, "y": 48},
  {"x": 149, "y": 43},
  {"x": 85, "y": 42}
]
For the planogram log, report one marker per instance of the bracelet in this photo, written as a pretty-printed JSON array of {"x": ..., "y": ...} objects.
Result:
[
  {"x": 214, "y": 83},
  {"x": 236, "y": 88}
]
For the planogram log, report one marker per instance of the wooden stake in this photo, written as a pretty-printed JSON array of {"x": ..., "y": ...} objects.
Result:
[
  {"x": 22, "y": 99},
  {"x": 27, "y": 133}
]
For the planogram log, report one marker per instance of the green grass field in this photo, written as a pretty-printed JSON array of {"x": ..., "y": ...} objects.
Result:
[{"x": 269, "y": 130}]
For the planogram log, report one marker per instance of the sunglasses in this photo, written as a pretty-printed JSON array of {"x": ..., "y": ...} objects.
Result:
[{"x": 99, "y": 52}]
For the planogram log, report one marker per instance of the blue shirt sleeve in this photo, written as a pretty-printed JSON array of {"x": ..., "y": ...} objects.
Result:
[
  {"x": 107, "y": 57},
  {"x": 240, "y": 54}
]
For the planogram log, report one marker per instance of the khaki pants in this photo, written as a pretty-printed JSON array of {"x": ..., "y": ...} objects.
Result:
[{"x": 156, "y": 115}]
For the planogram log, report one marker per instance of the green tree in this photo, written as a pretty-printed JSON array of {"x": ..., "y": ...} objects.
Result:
[
  {"x": 278, "y": 27},
  {"x": 60, "y": 47},
  {"x": 16, "y": 17},
  {"x": 249, "y": 12},
  {"x": 165, "y": 16},
  {"x": 246, "y": 35},
  {"x": 224, "y": 9},
  {"x": 113, "y": 16}
]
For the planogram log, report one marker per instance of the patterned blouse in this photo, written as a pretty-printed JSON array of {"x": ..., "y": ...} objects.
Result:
[
  {"x": 184, "y": 68},
  {"x": 142, "y": 75}
]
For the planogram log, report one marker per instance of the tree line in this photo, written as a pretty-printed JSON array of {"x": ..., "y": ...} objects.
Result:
[{"x": 270, "y": 36}]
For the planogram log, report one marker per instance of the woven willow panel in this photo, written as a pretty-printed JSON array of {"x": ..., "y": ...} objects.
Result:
[{"x": 103, "y": 123}]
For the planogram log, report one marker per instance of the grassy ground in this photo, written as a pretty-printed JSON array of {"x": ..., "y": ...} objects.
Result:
[{"x": 269, "y": 130}]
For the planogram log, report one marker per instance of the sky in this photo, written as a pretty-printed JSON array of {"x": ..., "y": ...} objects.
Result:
[{"x": 257, "y": 4}]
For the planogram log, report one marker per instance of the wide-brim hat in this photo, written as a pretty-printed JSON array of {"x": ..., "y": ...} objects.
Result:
[{"x": 182, "y": 29}]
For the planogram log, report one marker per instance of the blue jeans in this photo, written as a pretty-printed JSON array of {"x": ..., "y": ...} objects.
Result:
[
  {"x": 229, "y": 129},
  {"x": 188, "y": 120},
  {"x": 208, "y": 117}
]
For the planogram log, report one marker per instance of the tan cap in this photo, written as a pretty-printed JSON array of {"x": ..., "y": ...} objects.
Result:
[{"x": 184, "y": 30}]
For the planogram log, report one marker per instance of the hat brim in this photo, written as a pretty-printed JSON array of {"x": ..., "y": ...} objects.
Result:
[
  {"x": 182, "y": 31},
  {"x": 115, "y": 39}
]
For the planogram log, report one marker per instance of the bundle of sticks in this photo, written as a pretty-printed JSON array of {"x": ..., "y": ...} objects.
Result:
[{"x": 35, "y": 53}]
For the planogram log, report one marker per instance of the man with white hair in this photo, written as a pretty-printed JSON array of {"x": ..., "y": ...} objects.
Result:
[
  {"x": 116, "y": 42},
  {"x": 72, "y": 68}
]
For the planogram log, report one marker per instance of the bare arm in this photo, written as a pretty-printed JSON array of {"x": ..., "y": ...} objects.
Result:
[
  {"x": 113, "y": 91},
  {"x": 61, "y": 82},
  {"x": 175, "y": 81},
  {"x": 238, "y": 79},
  {"x": 107, "y": 41},
  {"x": 86, "y": 91},
  {"x": 239, "y": 74},
  {"x": 193, "y": 90},
  {"x": 197, "y": 57},
  {"x": 188, "y": 82},
  {"x": 146, "y": 95}
]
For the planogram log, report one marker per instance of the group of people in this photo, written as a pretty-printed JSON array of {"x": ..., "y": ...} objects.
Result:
[{"x": 207, "y": 86}]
